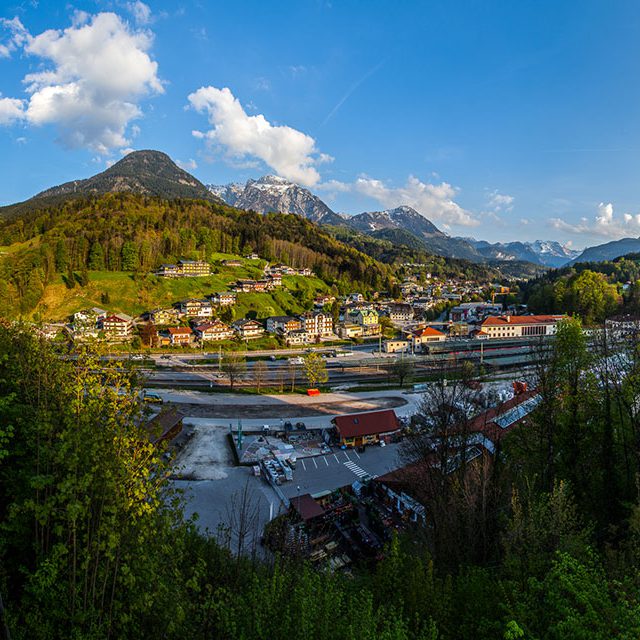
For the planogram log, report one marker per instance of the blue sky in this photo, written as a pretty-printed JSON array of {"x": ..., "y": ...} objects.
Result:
[{"x": 502, "y": 121}]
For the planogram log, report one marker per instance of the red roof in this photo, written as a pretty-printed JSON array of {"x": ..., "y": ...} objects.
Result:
[
  {"x": 498, "y": 321},
  {"x": 367, "y": 424},
  {"x": 427, "y": 331},
  {"x": 179, "y": 331}
]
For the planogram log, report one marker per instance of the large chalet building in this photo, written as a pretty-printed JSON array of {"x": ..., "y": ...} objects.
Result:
[
  {"x": 214, "y": 331},
  {"x": 185, "y": 268},
  {"x": 118, "y": 327}
]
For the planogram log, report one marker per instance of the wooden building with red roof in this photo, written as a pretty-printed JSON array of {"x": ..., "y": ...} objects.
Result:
[{"x": 358, "y": 429}]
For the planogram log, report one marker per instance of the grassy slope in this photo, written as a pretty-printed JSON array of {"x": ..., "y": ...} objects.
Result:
[{"x": 133, "y": 295}]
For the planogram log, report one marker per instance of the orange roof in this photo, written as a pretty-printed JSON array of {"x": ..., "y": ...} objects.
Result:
[
  {"x": 427, "y": 331},
  {"x": 179, "y": 331},
  {"x": 498, "y": 321}
]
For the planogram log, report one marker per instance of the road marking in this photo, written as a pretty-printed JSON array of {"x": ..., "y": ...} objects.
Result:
[
  {"x": 336, "y": 457},
  {"x": 303, "y": 464},
  {"x": 314, "y": 462},
  {"x": 347, "y": 457},
  {"x": 352, "y": 466},
  {"x": 357, "y": 454},
  {"x": 325, "y": 461}
]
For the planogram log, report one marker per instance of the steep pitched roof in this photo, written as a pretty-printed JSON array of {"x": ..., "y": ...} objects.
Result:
[
  {"x": 166, "y": 424},
  {"x": 306, "y": 507}
]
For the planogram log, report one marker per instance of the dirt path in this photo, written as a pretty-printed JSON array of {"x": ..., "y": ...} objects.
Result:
[{"x": 288, "y": 410}]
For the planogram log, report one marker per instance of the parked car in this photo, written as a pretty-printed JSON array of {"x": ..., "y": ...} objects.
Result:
[{"x": 152, "y": 397}]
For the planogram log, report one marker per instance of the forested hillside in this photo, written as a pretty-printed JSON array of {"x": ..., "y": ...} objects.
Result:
[
  {"x": 592, "y": 290},
  {"x": 134, "y": 233}
]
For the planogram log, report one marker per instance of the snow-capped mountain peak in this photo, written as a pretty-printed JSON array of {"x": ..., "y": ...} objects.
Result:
[{"x": 273, "y": 193}]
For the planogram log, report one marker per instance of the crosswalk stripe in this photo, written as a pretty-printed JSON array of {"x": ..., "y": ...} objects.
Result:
[{"x": 352, "y": 466}]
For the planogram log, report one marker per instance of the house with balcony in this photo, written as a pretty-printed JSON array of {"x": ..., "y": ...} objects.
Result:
[
  {"x": 223, "y": 298},
  {"x": 196, "y": 308},
  {"x": 248, "y": 329},
  {"x": 180, "y": 336},
  {"x": 214, "y": 332},
  {"x": 317, "y": 323},
  {"x": 118, "y": 327}
]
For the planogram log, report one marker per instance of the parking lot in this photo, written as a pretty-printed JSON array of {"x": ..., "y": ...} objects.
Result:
[{"x": 340, "y": 468}]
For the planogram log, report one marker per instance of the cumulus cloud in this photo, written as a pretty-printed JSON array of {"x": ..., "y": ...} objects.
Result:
[
  {"x": 605, "y": 224},
  {"x": 93, "y": 76},
  {"x": 434, "y": 201},
  {"x": 241, "y": 137},
  {"x": 500, "y": 201},
  {"x": 11, "y": 110}
]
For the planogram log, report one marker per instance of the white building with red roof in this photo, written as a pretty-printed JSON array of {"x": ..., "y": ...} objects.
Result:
[
  {"x": 520, "y": 326},
  {"x": 426, "y": 335}
]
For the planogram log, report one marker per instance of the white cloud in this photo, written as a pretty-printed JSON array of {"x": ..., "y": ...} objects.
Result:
[
  {"x": 140, "y": 11},
  {"x": 500, "y": 201},
  {"x": 434, "y": 201},
  {"x": 189, "y": 165},
  {"x": 289, "y": 152},
  {"x": 605, "y": 224},
  {"x": 94, "y": 74},
  {"x": 17, "y": 36},
  {"x": 11, "y": 110}
]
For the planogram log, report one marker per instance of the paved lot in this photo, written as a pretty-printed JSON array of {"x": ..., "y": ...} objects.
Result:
[
  {"x": 213, "y": 500},
  {"x": 338, "y": 469}
]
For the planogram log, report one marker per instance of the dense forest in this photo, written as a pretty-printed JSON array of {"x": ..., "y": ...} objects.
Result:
[
  {"x": 542, "y": 544},
  {"x": 126, "y": 232},
  {"x": 592, "y": 290}
]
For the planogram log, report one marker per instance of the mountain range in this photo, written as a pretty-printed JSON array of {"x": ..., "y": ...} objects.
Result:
[
  {"x": 154, "y": 173},
  {"x": 401, "y": 225}
]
